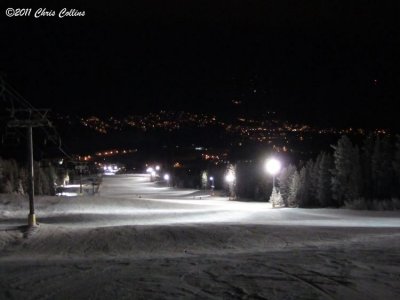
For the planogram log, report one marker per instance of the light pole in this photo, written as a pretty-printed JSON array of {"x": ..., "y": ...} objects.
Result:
[
  {"x": 230, "y": 179},
  {"x": 31, "y": 217},
  {"x": 166, "y": 178},
  {"x": 273, "y": 166},
  {"x": 212, "y": 185},
  {"x": 150, "y": 170},
  {"x": 153, "y": 175}
]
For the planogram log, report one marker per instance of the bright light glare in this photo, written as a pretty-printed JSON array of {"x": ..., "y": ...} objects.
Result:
[
  {"x": 67, "y": 194},
  {"x": 211, "y": 178},
  {"x": 71, "y": 185},
  {"x": 158, "y": 168},
  {"x": 273, "y": 166},
  {"x": 150, "y": 170},
  {"x": 230, "y": 177},
  {"x": 153, "y": 173},
  {"x": 166, "y": 177}
]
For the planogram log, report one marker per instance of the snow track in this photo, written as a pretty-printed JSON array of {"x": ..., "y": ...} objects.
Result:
[{"x": 138, "y": 240}]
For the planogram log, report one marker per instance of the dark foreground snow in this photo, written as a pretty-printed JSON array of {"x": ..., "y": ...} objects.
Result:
[{"x": 140, "y": 241}]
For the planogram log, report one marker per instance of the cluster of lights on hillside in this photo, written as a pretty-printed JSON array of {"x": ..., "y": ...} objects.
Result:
[
  {"x": 282, "y": 136},
  {"x": 162, "y": 120},
  {"x": 108, "y": 153},
  {"x": 261, "y": 130}
]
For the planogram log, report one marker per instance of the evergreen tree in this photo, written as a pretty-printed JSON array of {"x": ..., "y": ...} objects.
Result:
[
  {"x": 396, "y": 167},
  {"x": 307, "y": 185},
  {"x": 284, "y": 180},
  {"x": 323, "y": 190},
  {"x": 382, "y": 169},
  {"x": 204, "y": 180},
  {"x": 303, "y": 192},
  {"x": 346, "y": 174},
  {"x": 366, "y": 158},
  {"x": 293, "y": 190},
  {"x": 14, "y": 178},
  {"x": 51, "y": 174},
  {"x": 2, "y": 175},
  {"x": 355, "y": 181},
  {"x": 9, "y": 176},
  {"x": 276, "y": 198},
  {"x": 313, "y": 175}
]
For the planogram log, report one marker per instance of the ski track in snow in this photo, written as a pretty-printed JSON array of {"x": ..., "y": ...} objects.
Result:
[{"x": 138, "y": 240}]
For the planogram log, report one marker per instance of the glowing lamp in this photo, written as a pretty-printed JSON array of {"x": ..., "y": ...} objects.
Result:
[
  {"x": 273, "y": 166},
  {"x": 230, "y": 178}
]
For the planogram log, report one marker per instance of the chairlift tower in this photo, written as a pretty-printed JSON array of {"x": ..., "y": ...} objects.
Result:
[{"x": 29, "y": 119}]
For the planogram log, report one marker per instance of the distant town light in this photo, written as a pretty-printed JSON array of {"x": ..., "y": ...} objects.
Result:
[
  {"x": 157, "y": 168},
  {"x": 150, "y": 170},
  {"x": 166, "y": 177}
]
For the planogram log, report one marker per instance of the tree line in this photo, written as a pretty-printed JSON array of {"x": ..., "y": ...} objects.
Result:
[
  {"x": 14, "y": 178},
  {"x": 363, "y": 176}
]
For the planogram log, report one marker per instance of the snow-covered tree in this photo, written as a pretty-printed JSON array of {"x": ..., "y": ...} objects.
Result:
[
  {"x": 276, "y": 198},
  {"x": 303, "y": 192},
  {"x": 366, "y": 167},
  {"x": 284, "y": 180},
  {"x": 324, "y": 178},
  {"x": 204, "y": 180},
  {"x": 293, "y": 190},
  {"x": 313, "y": 174},
  {"x": 346, "y": 174}
]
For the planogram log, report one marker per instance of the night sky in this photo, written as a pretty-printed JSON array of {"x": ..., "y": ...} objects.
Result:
[{"x": 331, "y": 63}]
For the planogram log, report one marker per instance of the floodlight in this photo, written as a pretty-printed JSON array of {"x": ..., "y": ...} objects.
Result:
[{"x": 273, "y": 166}]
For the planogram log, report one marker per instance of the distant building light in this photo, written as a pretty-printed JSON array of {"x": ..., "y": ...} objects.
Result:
[{"x": 177, "y": 165}]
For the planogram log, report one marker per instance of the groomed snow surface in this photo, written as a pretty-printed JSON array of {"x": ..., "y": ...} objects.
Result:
[{"x": 139, "y": 240}]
